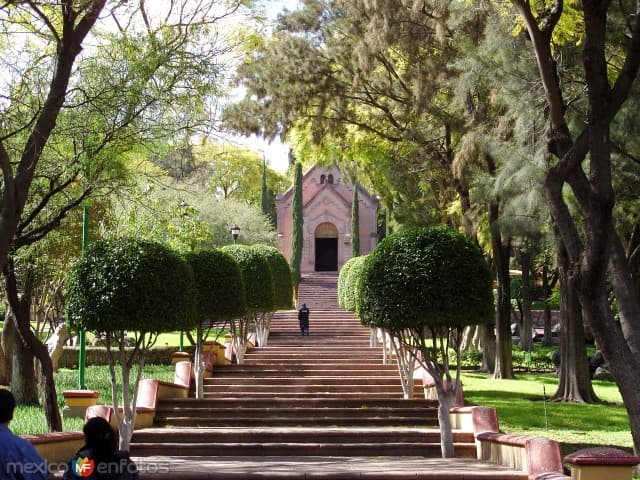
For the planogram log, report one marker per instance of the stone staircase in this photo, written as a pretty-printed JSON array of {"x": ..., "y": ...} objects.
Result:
[
  {"x": 301, "y": 401},
  {"x": 318, "y": 291}
]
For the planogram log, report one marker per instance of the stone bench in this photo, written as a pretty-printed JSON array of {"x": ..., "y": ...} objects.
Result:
[
  {"x": 538, "y": 457},
  {"x": 149, "y": 392}
]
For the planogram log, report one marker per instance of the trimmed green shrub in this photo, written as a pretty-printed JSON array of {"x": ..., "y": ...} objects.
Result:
[
  {"x": 426, "y": 276},
  {"x": 257, "y": 277},
  {"x": 349, "y": 283},
  {"x": 282, "y": 282},
  {"x": 343, "y": 277},
  {"x": 130, "y": 285},
  {"x": 219, "y": 285}
]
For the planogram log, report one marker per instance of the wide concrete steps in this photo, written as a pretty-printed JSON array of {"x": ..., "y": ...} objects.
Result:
[
  {"x": 301, "y": 441},
  {"x": 296, "y": 411},
  {"x": 315, "y": 407},
  {"x": 318, "y": 291}
]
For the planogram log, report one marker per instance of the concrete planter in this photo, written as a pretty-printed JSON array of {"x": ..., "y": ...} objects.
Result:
[{"x": 76, "y": 402}]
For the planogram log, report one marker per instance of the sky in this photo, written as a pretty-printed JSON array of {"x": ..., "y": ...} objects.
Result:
[{"x": 276, "y": 153}]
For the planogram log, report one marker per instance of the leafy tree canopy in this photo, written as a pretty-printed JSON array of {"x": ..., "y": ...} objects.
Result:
[
  {"x": 130, "y": 285},
  {"x": 257, "y": 277},
  {"x": 219, "y": 285},
  {"x": 281, "y": 272},
  {"x": 349, "y": 283},
  {"x": 426, "y": 276}
]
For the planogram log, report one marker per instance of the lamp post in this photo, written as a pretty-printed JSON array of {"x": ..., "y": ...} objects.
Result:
[{"x": 235, "y": 231}]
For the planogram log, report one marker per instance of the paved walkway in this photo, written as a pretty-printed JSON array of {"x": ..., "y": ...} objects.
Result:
[{"x": 326, "y": 468}]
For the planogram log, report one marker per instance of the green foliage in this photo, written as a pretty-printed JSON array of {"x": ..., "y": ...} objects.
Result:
[
  {"x": 219, "y": 285},
  {"x": 186, "y": 220},
  {"x": 297, "y": 235},
  {"x": 350, "y": 283},
  {"x": 426, "y": 277},
  {"x": 281, "y": 272},
  {"x": 256, "y": 275},
  {"x": 130, "y": 285}
]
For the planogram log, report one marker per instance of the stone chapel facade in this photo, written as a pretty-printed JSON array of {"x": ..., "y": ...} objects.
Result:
[{"x": 326, "y": 211}]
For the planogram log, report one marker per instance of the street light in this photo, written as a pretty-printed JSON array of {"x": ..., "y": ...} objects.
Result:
[{"x": 235, "y": 231}]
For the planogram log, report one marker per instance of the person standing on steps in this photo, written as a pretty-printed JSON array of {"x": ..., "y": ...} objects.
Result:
[{"x": 303, "y": 318}]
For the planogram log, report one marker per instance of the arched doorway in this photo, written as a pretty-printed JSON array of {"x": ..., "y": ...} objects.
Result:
[{"x": 326, "y": 239}]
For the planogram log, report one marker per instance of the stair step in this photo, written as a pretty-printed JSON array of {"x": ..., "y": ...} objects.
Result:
[
  {"x": 301, "y": 449},
  {"x": 355, "y": 403},
  {"x": 301, "y": 435}
]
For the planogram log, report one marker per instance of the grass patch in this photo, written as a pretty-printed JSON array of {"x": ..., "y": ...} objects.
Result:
[
  {"x": 521, "y": 410},
  {"x": 31, "y": 420}
]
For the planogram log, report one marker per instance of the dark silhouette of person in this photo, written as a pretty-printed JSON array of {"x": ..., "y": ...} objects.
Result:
[
  {"x": 19, "y": 459},
  {"x": 303, "y": 318},
  {"x": 99, "y": 459}
]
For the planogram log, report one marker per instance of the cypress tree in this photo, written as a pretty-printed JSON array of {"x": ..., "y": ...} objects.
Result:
[
  {"x": 355, "y": 223},
  {"x": 267, "y": 197},
  {"x": 264, "y": 194},
  {"x": 296, "y": 237}
]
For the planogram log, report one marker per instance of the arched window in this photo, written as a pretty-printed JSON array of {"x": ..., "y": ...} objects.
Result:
[
  {"x": 330, "y": 179},
  {"x": 322, "y": 178}
]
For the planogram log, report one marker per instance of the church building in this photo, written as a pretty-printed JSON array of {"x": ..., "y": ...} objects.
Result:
[{"x": 326, "y": 210}]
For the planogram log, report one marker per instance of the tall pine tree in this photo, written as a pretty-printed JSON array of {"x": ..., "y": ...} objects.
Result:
[
  {"x": 355, "y": 223},
  {"x": 296, "y": 237}
]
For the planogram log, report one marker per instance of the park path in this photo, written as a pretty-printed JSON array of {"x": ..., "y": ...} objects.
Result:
[{"x": 319, "y": 406}]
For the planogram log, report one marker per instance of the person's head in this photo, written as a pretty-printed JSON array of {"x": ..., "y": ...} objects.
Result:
[
  {"x": 304, "y": 305},
  {"x": 7, "y": 406},
  {"x": 99, "y": 435}
]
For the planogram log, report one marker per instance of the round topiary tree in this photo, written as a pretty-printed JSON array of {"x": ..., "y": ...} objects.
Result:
[
  {"x": 283, "y": 290},
  {"x": 423, "y": 286},
  {"x": 348, "y": 283},
  {"x": 259, "y": 293},
  {"x": 219, "y": 296},
  {"x": 343, "y": 278},
  {"x": 129, "y": 287}
]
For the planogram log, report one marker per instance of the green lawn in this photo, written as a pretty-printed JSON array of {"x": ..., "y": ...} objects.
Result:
[
  {"x": 521, "y": 410},
  {"x": 31, "y": 420}
]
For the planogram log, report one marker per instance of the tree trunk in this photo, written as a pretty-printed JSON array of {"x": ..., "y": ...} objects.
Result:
[
  {"x": 546, "y": 292},
  {"x": 488, "y": 348},
  {"x": 526, "y": 336},
  {"x": 574, "y": 382},
  {"x": 445, "y": 402},
  {"x": 239, "y": 329},
  {"x": 21, "y": 307},
  {"x": 24, "y": 382},
  {"x": 263, "y": 327},
  {"x": 406, "y": 366},
  {"x": 6, "y": 350},
  {"x": 199, "y": 364},
  {"x": 501, "y": 247}
]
